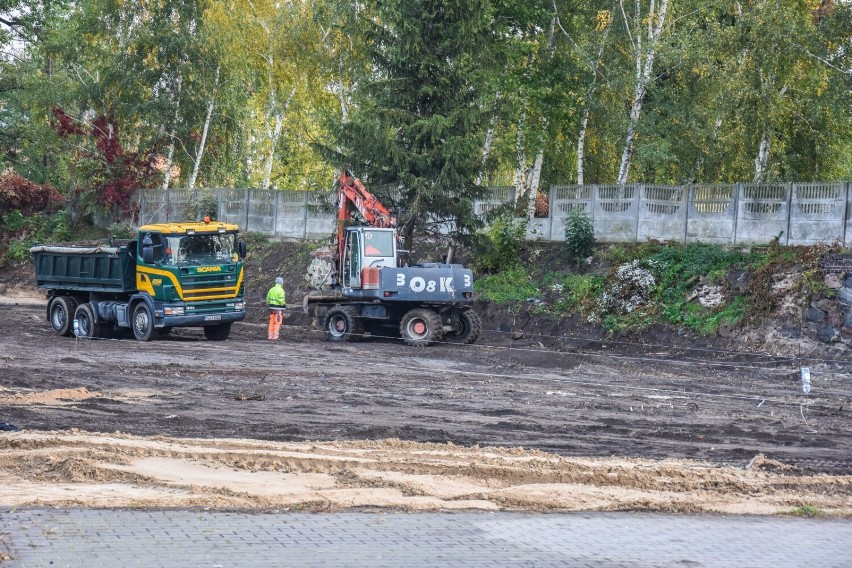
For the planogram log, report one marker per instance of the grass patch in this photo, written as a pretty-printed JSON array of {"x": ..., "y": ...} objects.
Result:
[
  {"x": 505, "y": 287},
  {"x": 807, "y": 511},
  {"x": 574, "y": 292}
]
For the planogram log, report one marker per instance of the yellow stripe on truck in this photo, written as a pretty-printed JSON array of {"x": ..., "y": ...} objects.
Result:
[{"x": 147, "y": 287}]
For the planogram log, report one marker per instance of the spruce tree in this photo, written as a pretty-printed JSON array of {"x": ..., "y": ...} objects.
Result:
[{"x": 415, "y": 136}]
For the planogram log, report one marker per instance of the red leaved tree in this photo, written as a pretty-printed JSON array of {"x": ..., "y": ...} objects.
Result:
[
  {"x": 108, "y": 176},
  {"x": 17, "y": 193}
]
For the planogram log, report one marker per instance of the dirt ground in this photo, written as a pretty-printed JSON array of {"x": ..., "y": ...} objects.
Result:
[{"x": 526, "y": 419}]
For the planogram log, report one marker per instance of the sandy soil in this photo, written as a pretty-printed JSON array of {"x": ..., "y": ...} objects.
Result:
[
  {"x": 119, "y": 470},
  {"x": 504, "y": 424}
]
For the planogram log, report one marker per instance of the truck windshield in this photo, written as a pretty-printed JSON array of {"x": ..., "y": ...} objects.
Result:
[
  {"x": 199, "y": 249},
  {"x": 378, "y": 243}
]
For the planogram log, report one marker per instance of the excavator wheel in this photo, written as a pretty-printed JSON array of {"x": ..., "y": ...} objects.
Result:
[
  {"x": 420, "y": 327},
  {"x": 469, "y": 328},
  {"x": 343, "y": 324}
]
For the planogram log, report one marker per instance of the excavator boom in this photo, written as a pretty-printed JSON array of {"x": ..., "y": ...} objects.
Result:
[{"x": 353, "y": 195}]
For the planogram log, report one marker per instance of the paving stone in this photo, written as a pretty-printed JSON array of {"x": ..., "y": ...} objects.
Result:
[{"x": 102, "y": 537}]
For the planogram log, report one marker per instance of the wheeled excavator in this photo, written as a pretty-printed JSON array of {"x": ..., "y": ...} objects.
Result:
[{"x": 369, "y": 286}]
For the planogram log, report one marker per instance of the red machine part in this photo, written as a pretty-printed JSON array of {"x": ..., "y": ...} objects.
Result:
[{"x": 353, "y": 195}]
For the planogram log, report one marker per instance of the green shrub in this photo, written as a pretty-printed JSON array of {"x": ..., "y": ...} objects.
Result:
[
  {"x": 20, "y": 232},
  {"x": 505, "y": 287},
  {"x": 499, "y": 246},
  {"x": 579, "y": 293},
  {"x": 579, "y": 235}
]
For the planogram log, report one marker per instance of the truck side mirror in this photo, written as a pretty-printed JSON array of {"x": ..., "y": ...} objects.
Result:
[
  {"x": 147, "y": 250},
  {"x": 241, "y": 248}
]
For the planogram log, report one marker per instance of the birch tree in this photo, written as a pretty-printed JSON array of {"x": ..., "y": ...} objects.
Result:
[{"x": 644, "y": 65}]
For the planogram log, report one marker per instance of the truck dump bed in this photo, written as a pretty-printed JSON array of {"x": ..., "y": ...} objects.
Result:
[{"x": 84, "y": 268}]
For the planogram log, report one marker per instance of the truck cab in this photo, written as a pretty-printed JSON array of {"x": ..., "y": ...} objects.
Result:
[{"x": 192, "y": 272}]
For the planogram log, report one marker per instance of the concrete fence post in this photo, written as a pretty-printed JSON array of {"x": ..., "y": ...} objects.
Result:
[
  {"x": 845, "y": 213},
  {"x": 305, "y": 203},
  {"x": 639, "y": 199},
  {"x": 736, "y": 193},
  {"x": 687, "y": 201},
  {"x": 276, "y": 207},
  {"x": 789, "y": 211},
  {"x": 248, "y": 206}
]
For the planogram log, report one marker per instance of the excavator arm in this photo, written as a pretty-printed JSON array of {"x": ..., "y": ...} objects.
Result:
[{"x": 353, "y": 195}]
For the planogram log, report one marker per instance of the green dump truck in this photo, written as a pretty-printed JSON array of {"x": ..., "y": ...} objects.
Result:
[{"x": 172, "y": 275}]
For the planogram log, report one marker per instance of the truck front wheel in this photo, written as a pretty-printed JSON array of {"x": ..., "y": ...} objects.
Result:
[
  {"x": 143, "y": 323},
  {"x": 343, "y": 324},
  {"x": 61, "y": 314},
  {"x": 420, "y": 327}
]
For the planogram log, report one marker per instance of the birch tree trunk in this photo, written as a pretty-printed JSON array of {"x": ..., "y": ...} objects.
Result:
[
  {"x": 489, "y": 141},
  {"x": 170, "y": 157},
  {"x": 535, "y": 179},
  {"x": 763, "y": 149},
  {"x": 644, "y": 66},
  {"x": 762, "y": 157},
  {"x": 274, "y": 134},
  {"x": 199, "y": 153},
  {"x": 520, "y": 172},
  {"x": 535, "y": 174},
  {"x": 581, "y": 145}
]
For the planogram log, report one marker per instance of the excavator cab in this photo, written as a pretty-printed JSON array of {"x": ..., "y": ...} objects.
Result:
[{"x": 367, "y": 249}]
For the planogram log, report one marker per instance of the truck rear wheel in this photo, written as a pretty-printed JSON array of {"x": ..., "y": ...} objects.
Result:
[
  {"x": 343, "y": 324},
  {"x": 469, "y": 328},
  {"x": 217, "y": 332},
  {"x": 61, "y": 314},
  {"x": 143, "y": 323},
  {"x": 420, "y": 327},
  {"x": 86, "y": 326}
]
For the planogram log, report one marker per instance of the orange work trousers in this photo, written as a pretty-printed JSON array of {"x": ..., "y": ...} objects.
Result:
[{"x": 276, "y": 316}]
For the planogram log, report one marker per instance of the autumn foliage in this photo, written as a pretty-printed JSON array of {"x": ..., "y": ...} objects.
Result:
[
  {"x": 109, "y": 175},
  {"x": 19, "y": 194}
]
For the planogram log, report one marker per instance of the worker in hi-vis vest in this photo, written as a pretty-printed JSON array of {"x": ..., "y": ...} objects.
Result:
[{"x": 276, "y": 299}]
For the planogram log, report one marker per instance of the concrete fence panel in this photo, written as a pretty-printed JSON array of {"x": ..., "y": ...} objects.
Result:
[
  {"x": 763, "y": 213},
  {"x": 320, "y": 220},
  {"x": 818, "y": 213},
  {"x": 711, "y": 215},
  {"x": 662, "y": 213},
  {"x": 616, "y": 213},
  {"x": 800, "y": 213},
  {"x": 152, "y": 206},
  {"x": 261, "y": 211},
  {"x": 563, "y": 200},
  {"x": 233, "y": 206},
  {"x": 290, "y": 210},
  {"x": 494, "y": 197}
]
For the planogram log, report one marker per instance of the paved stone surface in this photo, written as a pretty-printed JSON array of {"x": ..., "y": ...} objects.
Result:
[{"x": 98, "y": 537}]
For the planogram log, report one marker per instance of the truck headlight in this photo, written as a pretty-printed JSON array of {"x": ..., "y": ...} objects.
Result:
[
  {"x": 175, "y": 311},
  {"x": 239, "y": 306}
]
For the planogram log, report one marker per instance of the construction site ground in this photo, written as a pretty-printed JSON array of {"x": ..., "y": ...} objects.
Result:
[{"x": 522, "y": 420}]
